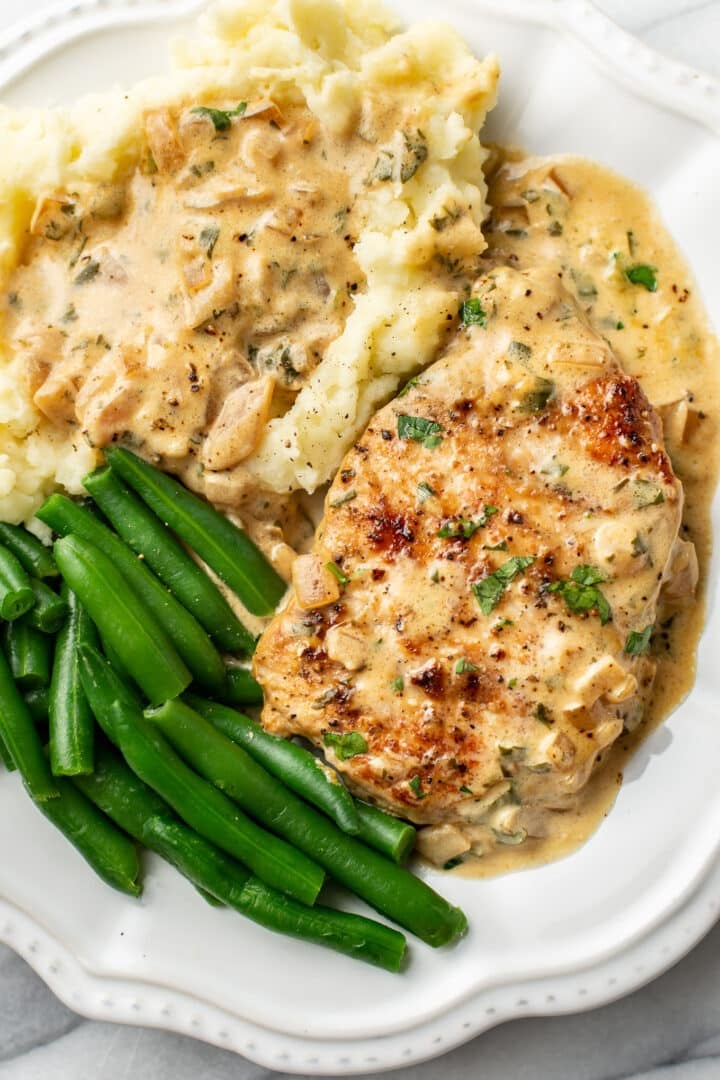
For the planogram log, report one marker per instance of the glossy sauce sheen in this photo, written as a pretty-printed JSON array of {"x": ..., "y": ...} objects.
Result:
[{"x": 593, "y": 225}]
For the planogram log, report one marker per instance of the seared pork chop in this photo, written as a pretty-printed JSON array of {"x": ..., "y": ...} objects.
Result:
[{"x": 472, "y": 628}]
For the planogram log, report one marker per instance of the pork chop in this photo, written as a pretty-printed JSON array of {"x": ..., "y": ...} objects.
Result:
[{"x": 473, "y": 626}]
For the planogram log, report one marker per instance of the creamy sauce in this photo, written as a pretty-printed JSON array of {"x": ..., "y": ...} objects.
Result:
[
  {"x": 595, "y": 226},
  {"x": 183, "y": 306}
]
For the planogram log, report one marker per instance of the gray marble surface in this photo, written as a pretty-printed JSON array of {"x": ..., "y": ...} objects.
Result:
[{"x": 670, "y": 1030}]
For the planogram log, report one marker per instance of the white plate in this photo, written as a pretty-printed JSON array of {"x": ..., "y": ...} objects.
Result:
[{"x": 568, "y": 936}]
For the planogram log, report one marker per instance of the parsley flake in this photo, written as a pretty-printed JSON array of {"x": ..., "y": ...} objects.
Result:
[
  {"x": 421, "y": 430},
  {"x": 535, "y": 400},
  {"x": 209, "y": 238},
  {"x": 464, "y": 665},
  {"x": 489, "y": 590},
  {"x": 424, "y": 491},
  {"x": 581, "y": 592},
  {"x": 471, "y": 312},
  {"x": 346, "y": 497},
  {"x": 415, "y": 786},
  {"x": 642, "y": 274},
  {"x": 462, "y": 528},
  {"x": 398, "y": 684},
  {"x": 337, "y": 573},
  {"x": 345, "y": 746},
  {"x": 408, "y": 386},
  {"x": 638, "y": 642},
  {"x": 221, "y": 119},
  {"x": 646, "y": 493},
  {"x": 89, "y": 271}
]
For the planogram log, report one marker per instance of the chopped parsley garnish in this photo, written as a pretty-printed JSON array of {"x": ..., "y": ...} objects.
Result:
[
  {"x": 346, "y": 746},
  {"x": 462, "y": 528},
  {"x": 642, "y": 274},
  {"x": 346, "y": 497},
  {"x": 554, "y": 468},
  {"x": 518, "y": 350},
  {"x": 638, "y": 642},
  {"x": 584, "y": 284},
  {"x": 536, "y": 400},
  {"x": 415, "y": 786},
  {"x": 209, "y": 238},
  {"x": 403, "y": 166},
  {"x": 462, "y": 666},
  {"x": 466, "y": 790},
  {"x": 489, "y": 590},
  {"x": 420, "y": 430},
  {"x": 639, "y": 546},
  {"x": 415, "y": 151},
  {"x": 398, "y": 684},
  {"x": 619, "y": 325},
  {"x": 501, "y": 624},
  {"x": 90, "y": 270},
  {"x": 502, "y": 546},
  {"x": 337, "y": 573},
  {"x": 647, "y": 494},
  {"x": 512, "y": 684},
  {"x": 581, "y": 592},
  {"x": 424, "y": 491},
  {"x": 440, "y": 222},
  {"x": 471, "y": 312},
  {"x": 452, "y": 863},
  {"x": 542, "y": 714},
  {"x": 408, "y": 386},
  {"x": 220, "y": 118}
]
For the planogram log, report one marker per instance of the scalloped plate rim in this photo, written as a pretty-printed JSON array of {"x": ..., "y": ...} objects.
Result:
[{"x": 28, "y": 43}]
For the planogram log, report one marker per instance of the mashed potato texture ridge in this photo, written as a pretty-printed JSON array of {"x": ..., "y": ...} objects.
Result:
[{"x": 418, "y": 247}]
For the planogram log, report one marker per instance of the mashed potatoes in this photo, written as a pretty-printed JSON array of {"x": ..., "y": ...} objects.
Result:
[{"x": 412, "y": 103}]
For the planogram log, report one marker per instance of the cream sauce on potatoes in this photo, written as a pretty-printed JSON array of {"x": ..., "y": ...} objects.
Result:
[{"x": 182, "y": 307}]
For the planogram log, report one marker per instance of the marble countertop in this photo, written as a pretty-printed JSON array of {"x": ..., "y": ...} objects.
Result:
[{"x": 670, "y": 1030}]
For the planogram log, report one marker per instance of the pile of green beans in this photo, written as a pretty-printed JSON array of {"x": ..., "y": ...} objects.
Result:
[
  {"x": 141, "y": 813},
  {"x": 140, "y": 641}
]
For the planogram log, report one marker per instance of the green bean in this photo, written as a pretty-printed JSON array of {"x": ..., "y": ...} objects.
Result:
[
  {"x": 119, "y": 793},
  {"x": 227, "y": 550},
  {"x": 387, "y": 887},
  {"x": 144, "y": 650},
  {"x": 240, "y": 688},
  {"x": 188, "y": 637},
  {"x": 208, "y": 811},
  {"x": 30, "y": 552},
  {"x": 114, "y": 660},
  {"x": 29, "y": 653},
  {"x": 16, "y": 595},
  {"x": 143, "y": 531},
  {"x": 103, "y": 686},
  {"x": 72, "y": 725},
  {"x": 351, "y": 934},
  {"x": 38, "y": 702},
  {"x": 108, "y": 851},
  {"x": 309, "y": 777},
  {"x": 49, "y": 610},
  {"x": 136, "y": 808},
  {"x": 388, "y": 834},
  {"x": 6, "y": 756},
  {"x": 18, "y": 733},
  {"x": 298, "y": 769}
]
